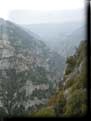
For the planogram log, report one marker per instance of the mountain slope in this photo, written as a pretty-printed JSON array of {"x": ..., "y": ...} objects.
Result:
[
  {"x": 30, "y": 68},
  {"x": 59, "y": 36},
  {"x": 71, "y": 97}
]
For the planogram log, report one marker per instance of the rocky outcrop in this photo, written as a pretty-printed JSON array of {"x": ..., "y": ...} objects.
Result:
[{"x": 71, "y": 98}]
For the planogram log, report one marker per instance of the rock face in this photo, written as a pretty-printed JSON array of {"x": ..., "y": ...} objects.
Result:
[
  {"x": 31, "y": 60},
  {"x": 71, "y": 98},
  {"x": 76, "y": 79}
]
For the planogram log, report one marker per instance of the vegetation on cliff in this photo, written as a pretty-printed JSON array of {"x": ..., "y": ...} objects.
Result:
[{"x": 71, "y": 97}]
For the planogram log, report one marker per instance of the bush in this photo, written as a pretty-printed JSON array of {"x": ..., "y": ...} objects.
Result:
[
  {"x": 69, "y": 83},
  {"x": 76, "y": 104},
  {"x": 71, "y": 60},
  {"x": 59, "y": 107},
  {"x": 68, "y": 70},
  {"x": 54, "y": 100},
  {"x": 44, "y": 112}
]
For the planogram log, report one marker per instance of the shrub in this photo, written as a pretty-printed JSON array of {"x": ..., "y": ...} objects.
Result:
[
  {"x": 76, "y": 104},
  {"x": 71, "y": 60},
  {"x": 59, "y": 107},
  {"x": 44, "y": 112}
]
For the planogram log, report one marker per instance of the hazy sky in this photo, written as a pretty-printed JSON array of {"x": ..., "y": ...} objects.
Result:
[{"x": 38, "y": 5}]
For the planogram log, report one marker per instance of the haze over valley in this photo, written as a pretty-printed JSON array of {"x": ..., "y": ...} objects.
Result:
[
  {"x": 42, "y": 58},
  {"x": 58, "y": 29}
]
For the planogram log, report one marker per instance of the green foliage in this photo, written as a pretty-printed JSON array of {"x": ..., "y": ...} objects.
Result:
[
  {"x": 71, "y": 60},
  {"x": 81, "y": 52},
  {"x": 68, "y": 70},
  {"x": 76, "y": 104},
  {"x": 55, "y": 98},
  {"x": 80, "y": 82},
  {"x": 69, "y": 83},
  {"x": 75, "y": 60},
  {"x": 44, "y": 112},
  {"x": 59, "y": 106}
]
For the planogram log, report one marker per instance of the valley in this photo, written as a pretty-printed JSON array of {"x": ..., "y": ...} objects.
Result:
[{"x": 38, "y": 70}]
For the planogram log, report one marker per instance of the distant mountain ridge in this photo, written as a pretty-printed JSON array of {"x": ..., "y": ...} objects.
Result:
[{"x": 60, "y": 36}]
